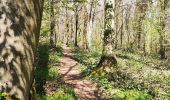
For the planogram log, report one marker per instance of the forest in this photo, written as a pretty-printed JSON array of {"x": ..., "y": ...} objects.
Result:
[{"x": 84, "y": 49}]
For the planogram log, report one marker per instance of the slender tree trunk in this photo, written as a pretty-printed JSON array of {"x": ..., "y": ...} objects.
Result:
[
  {"x": 122, "y": 27},
  {"x": 84, "y": 36},
  {"x": 139, "y": 32},
  {"x": 126, "y": 26},
  {"x": 72, "y": 31},
  {"x": 76, "y": 23},
  {"x": 20, "y": 22},
  {"x": 52, "y": 25},
  {"x": 67, "y": 28},
  {"x": 90, "y": 23},
  {"x": 76, "y": 29}
]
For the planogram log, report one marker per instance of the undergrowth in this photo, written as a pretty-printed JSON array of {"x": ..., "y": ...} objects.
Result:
[
  {"x": 139, "y": 77},
  {"x": 49, "y": 83}
]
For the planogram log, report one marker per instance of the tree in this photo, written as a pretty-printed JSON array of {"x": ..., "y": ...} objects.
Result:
[
  {"x": 76, "y": 23},
  {"x": 161, "y": 30},
  {"x": 108, "y": 60},
  {"x": 141, "y": 7},
  {"x": 84, "y": 35},
  {"x": 52, "y": 25},
  {"x": 118, "y": 22},
  {"x": 19, "y": 34},
  {"x": 77, "y": 8},
  {"x": 90, "y": 10}
]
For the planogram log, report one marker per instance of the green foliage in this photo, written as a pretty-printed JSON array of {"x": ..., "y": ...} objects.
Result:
[
  {"x": 138, "y": 79},
  {"x": 48, "y": 78},
  {"x": 66, "y": 94},
  {"x": 87, "y": 60},
  {"x": 3, "y": 96},
  {"x": 44, "y": 31},
  {"x": 133, "y": 95}
]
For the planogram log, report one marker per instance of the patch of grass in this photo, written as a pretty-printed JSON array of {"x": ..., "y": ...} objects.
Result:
[
  {"x": 63, "y": 94},
  {"x": 87, "y": 60},
  {"x": 132, "y": 95}
]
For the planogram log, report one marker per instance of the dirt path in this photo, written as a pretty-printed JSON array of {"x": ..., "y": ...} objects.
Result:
[{"x": 69, "y": 68}]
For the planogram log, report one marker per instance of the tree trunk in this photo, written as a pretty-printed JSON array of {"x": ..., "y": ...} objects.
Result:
[
  {"x": 20, "y": 22},
  {"x": 84, "y": 36},
  {"x": 72, "y": 31},
  {"x": 108, "y": 58},
  {"x": 67, "y": 35},
  {"x": 141, "y": 7},
  {"x": 90, "y": 23},
  {"x": 76, "y": 25},
  {"x": 76, "y": 29},
  {"x": 126, "y": 26},
  {"x": 52, "y": 25},
  {"x": 162, "y": 50}
]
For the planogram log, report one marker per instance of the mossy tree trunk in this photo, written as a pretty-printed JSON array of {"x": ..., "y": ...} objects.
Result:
[
  {"x": 20, "y": 22},
  {"x": 161, "y": 30},
  {"x": 108, "y": 60},
  {"x": 141, "y": 7},
  {"x": 52, "y": 25}
]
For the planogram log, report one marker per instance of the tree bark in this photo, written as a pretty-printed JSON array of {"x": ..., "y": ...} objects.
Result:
[
  {"x": 108, "y": 58},
  {"x": 20, "y": 22},
  {"x": 67, "y": 35},
  {"x": 52, "y": 25},
  {"x": 163, "y": 5},
  {"x": 84, "y": 36},
  {"x": 76, "y": 25},
  {"x": 118, "y": 22},
  {"x": 141, "y": 7},
  {"x": 90, "y": 23}
]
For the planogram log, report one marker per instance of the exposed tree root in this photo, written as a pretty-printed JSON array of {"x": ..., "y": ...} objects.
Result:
[{"x": 107, "y": 64}]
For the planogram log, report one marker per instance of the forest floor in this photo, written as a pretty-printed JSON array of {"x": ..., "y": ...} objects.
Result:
[
  {"x": 65, "y": 74},
  {"x": 59, "y": 77},
  {"x": 70, "y": 70}
]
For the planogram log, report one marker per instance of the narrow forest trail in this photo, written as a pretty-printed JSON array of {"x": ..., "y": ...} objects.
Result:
[{"x": 69, "y": 69}]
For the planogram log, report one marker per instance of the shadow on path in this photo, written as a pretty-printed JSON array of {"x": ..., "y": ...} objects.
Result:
[{"x": 69, "y": 69}]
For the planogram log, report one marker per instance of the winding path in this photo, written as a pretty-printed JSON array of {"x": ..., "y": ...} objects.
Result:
[{"x": 69, "y": 69}]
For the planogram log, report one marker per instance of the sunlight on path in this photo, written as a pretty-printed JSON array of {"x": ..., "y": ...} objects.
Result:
[{"x": 69, "y": 69}]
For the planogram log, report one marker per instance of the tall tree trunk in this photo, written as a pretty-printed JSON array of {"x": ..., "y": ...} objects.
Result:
[
  {"x": 90, "y": 22},
  {"x": 20, "y": 22},
  {"x": 84, "y": 36},
  {"x": 108, "y": 58},
  {"x": 141, "y": 7},
  {"x": 72, "y": 30},
  {"x": 122, "y": 27},
  {"x": 52, "y": 25},
  {"x": 118, "y": 22},
  {"x": 163, "y": 5},
  {"x": 126, "y": 26},
  {"x": 76, "y": 24},
  {"x": 76, "y": 29},
  {"x": 67, "y": 35}
]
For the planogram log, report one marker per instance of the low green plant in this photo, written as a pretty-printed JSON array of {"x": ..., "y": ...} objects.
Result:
[
  {"x": 140, "y": 77},
  {"x": 3, "y": 96}
]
